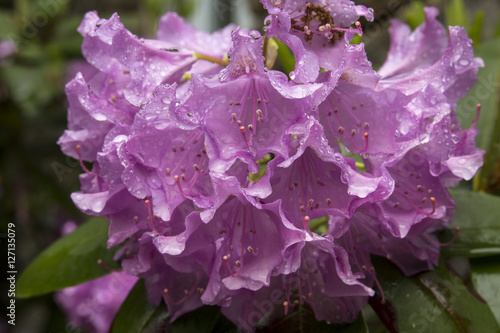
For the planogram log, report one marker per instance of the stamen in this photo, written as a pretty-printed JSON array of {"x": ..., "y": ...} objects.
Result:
[
  {"x": 177, "y": 180},
  {"x": 474, "y": 123},
  {"x": 242, "y": 130},
  {"x": 306, "y": 222},
  {"x": 79, "y": 152},
  {"x": 285, "y": 305},
  {"x": 453, "y": 239},
  {"x": 101, "y": 263},
  {"x": 478, "y": 111},
  {"x": 226, "y": 259},
  {"x": 379, "y": 286},
  {"x": 150, "y": 217},
  {"x": 251, "y": 250},
  {"x": 358, "y": 27},
  {"x": 420, "y": 210}
]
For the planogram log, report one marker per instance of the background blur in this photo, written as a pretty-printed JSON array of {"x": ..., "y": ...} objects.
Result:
[{"x": 36, "y": 179}]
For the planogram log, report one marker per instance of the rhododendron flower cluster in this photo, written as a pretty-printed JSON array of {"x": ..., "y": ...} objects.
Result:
[{"x": 215, "y": 171}]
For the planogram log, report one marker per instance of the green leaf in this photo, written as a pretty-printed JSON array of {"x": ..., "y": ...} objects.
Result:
[
  {"x": 434, "y": 301},
  {"x": 138, "y": 315},
  {"x": 486, "y": 279},
  {"x": 478, "y": 217},
  {"x": 302, "y": 320},
  {"x": 415, "y": 15},
  {"x": 456, "y": 13},
  {"x": 496, "y": 33},
  {"x": 476, "y": 29},
  {"x": 286, "y": 57},
  {"x": 206, "y": 319},
  {"x": 69, "y": 261}
]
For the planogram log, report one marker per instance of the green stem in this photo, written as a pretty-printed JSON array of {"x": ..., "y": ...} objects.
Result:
[{"x": 200, "y": 56}]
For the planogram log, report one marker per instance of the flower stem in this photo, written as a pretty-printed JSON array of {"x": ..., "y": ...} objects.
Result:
[{"x": 215, "y": 60}]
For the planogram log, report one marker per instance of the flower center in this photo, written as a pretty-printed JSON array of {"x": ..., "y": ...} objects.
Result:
[
  {"x": 340, "y": 117},
  {"x": 249, "y": 110},
  {"x": 316, "y": 20},
  {"x": 243, "y": 65},
  {"x": 180, "y": 158},
  {"x": 242, "y": 239}
]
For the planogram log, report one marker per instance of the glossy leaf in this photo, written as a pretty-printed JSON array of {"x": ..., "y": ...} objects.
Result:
[
  {"x": 478, "y": 217},
  {"x": 69, "y": 261},
  {"x": 486, "y": 279},
  {"x": 138, "y": 315},
  {"x": 434, "y": 301},
  {"x": 206, "y": 319},
  {"x": 302, "y": 320}
]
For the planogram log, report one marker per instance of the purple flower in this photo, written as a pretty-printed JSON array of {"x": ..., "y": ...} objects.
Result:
[
  {"x": 110, "y": 47},
  {"x": 317, "y": 181},
  {"x": 173, "y": 30},
  {"x": 466, "y": 158},
  {"x": 249, "y": 108},
  {"x": 93, "y": 305},
  {"x": 210, "y": 166},
  {"x": 7, "y": 47},
  {"x": 419, "y": 58},
  {"x": 180, "y": 290},
  {"x": 416, "y": 195},
  {"x": 324, "y": 280},
  {"x": 363, "y": 235},
  {"x": 83, "y": 129},
  {"x": 318, "y": 32},
  {"x": 355, "y": 112},
  {"x": 242, "y": 244}
]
